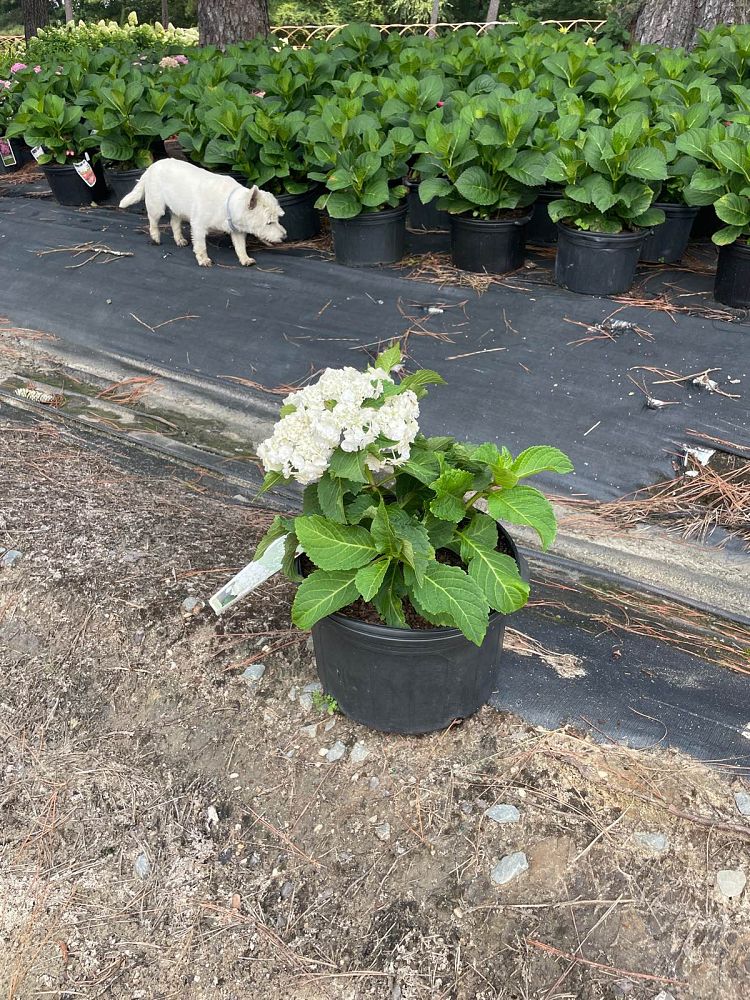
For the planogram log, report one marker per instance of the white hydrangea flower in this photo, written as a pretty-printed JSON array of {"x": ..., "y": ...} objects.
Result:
[{"x": 330, "y": 414}]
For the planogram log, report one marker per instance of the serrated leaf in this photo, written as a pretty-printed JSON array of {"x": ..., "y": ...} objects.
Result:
[
  {"x": 334, "y": 546},
  {"x": 475, "y": 185},
  {"x": 498, "y": 577},
  {"x": 449, "y": 590},
  {"x": 389, "y": 358},
  {"x": 310, "y": 502},
  {"x": 439, "y": 620},
  {"x": 422, "y": 465},
  {"x": 321, "y": 594},
  {"x": 370, "y": 578},
  {"x": 279, "y": 527},
  {"x": 348, "y": 465},
  {"x": 287, "y": 409},
  {"x": 415, "y": 547},
  {"x": 441, "y": 532},
  {"x": 733, "y": 209},
  {"x": 418, "y": 380},
  {"x": 524, "y": 505},
  {"x": 289, "y": 559},
  {"x": 382, "y": 532},
  {"x": 449, "y": 489},
  {"x": 541, "y": 458},
  {"x": 270, "y": 480},
  {"x": 647, "y": 164},
  {"x": 479, "y": 533},
  {"x": 729, "y": 234},
  {"x": 331, "y": 498},
  {"x": 387, "y": 602},
  {"x": 360, "y": 507}
]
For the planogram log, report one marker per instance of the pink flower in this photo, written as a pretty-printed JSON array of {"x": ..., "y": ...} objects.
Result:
[
  {"x": 259, "y": 93},
  {"x": 182, "y": 60},
  {"x": 440, "y": 103},
  {"x": 70, "y": 152},
  {"x": 37, "y": 69},
  {"x": 5, "y": 84},
  {"x": 17, "y": 67}
]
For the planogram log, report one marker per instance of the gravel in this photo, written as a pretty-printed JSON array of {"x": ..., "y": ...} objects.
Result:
[
  {"x": 503, "y": 813},
  {"x": 511, "y": 866},
  {"x": 383, "y": 831},
  {"x": 731, "y": 882},
  {"x": 657, "y": 843},
  {"x": 742, "y": 800},
  {"x": 10, "y": 557},
  {"x": 359, "y": 753},
  {"x": 253, "y": 673},
  {"x": 142, "y": 866},
  {"x": 336, "y": 752}
]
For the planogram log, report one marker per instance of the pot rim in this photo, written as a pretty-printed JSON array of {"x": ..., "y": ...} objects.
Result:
[
  {"x": 584, "y": 236},
  {"x": 373, "y": 218},
  {"x": 469, "y": 222},
  {"x": 675, "y": 208},
  {"x": 738, "y": 247}
]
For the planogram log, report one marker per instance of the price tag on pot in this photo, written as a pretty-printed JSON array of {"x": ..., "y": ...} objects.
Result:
[
  {"x": 86, "y": 172},
  {"x": 250, "y": 577},
  {"x": 37, "y": 152},
  {"x": 6, "y": 153}
]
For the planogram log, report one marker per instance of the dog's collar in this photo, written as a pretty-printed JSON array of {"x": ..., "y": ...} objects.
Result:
[{"x": 232, "y": 227}]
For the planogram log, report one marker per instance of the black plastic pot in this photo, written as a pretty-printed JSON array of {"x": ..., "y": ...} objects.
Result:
[
  {"x": 541, "y": 230},
  {"x": 705, "y": 223},
  {"x": 22, "y": 154},
  {"x": 667, "y": 242},
  {"x": 122, "y": 182},
  {"x": 488, "y": 246},
  {"x": 597, "y": 263},
  {"x": 370, "y": 237},
  {"x": 69, "y": 189},
  {"x": 425, "y": 217},
  {"x": 732, "y": 285},
  {"x": 301, "y": 219},
  {"x": 403, "y": 681}
]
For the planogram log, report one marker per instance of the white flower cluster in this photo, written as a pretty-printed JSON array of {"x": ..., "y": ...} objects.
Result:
[{"x": 330, "y": 414}]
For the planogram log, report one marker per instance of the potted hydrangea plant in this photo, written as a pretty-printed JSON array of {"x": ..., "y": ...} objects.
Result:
[{"x": 405, "y": 570}]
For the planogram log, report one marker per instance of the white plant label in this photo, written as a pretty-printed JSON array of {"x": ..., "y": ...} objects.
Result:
[
  {"x": 86, "y": 172},
  {"x": 7, "y": 155},
  {"x": 37, "y": 152},
  {"x": 250, "y": 577}
]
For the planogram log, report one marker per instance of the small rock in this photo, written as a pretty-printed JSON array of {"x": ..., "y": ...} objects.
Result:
[
  {"x": 10, "y": 557},
  {"x": 623, "y": 987},
  {"x": 329, "y": 725},
  {"x": 253, "y": 673},
  {"x": 743, "y": 802},
  {"x": 212, "y": 817},
  {"x": 374, "y": 783},
  {"x": 310, "y": 732},
  {"x": 663, "y": 995},
  {"x": 503, "y": 813},
  {"x": 139, "y": 637},
  {"x": 336, "y": 752},
  {"x": 383, "y": 831},
  {"x": 511, "y": 866},
  {"x": 396, "y": 993},
  {"x": 142, "y": 866},
  {"x": 657, "y": 843},
  {"x": 192, "y": 605},
  {"x": 293, "y": 693},
  {"x": 731, "y": 882},
  {"x": 287, "y": 889},
  {"x": 314, "y": 686},
  {"x": 359, "y": 753}
]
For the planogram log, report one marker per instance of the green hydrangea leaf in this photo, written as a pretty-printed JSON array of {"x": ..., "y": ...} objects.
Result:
[
  {"x": 524, "y": 505},
  {"x": 321, "y": 594},
  {"x": 541, "y": 458},
  {"x": 370, "y": 578},
  {"x": 448, "y": 590},
  {"x": 333, "y": 546}
]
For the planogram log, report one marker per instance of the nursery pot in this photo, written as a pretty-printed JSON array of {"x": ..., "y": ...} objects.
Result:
[
  {"x": 69, "y": 189},
  {"x": 301, "y": 219},
  {"x": 667, "y": 242},
  {"x": 408, "y": 681},
  {"x": 705, "y": 224},
  {"x": 370, "y": 237},
  {"x": 732, "y": 285},
  {"x": 597, "y": 263},
  {"x": 22, "y": 154},
  {"x": 426, "y": 217},
  {"x": 541, "y": 230},
  {"x": 122, "y": 182},
  {"x": 491, "y": 246}
]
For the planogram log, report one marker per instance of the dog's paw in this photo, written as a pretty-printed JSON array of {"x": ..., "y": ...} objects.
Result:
[
  {"x": 247, "y": 261},
  {"x": 205, "y": 262},
  {"x": 156, "y": 240},
  {"x": 181, "y": 242}
]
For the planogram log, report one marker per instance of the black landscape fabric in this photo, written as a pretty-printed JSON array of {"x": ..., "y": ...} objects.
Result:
[{"x": 297, "y": 312}]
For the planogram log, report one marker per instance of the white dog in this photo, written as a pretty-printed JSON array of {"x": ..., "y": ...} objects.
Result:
[{"x": 210, "y": 203}]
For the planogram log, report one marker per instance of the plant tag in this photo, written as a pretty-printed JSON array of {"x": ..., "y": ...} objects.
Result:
[
  {"x": 86, "y": 172},
  {"x": 249, "y": 578},
  {"x": 37, "y": 152},
  {"x": 6, "y": 153}
]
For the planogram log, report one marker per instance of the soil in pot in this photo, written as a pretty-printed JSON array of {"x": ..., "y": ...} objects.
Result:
[
  {"x": 414, "y": 680},
  {"x": 122, "y": 182},
  {"x": 370, "y": 238},
  {"x": 541, "y": 230},
  {"x": 597, "y": 263},
  {"x": 301, "y": 219},
  {"x": 427, "y": 218},
  {"x": 732, "y": 285},
  {"x": 69, "y": 188},
  {"x": 667, "y": 242},
  {"x": 489, "y": 246}
]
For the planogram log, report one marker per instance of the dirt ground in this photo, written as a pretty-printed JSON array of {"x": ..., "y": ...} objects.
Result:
[{"x": 170, "y": 828}]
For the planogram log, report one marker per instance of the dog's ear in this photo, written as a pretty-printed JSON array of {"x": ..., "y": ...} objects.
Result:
[{"x": 252, "y": 198}]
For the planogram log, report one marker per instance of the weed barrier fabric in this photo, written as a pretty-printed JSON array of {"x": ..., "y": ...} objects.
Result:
[{"x": 513, "y": 375}]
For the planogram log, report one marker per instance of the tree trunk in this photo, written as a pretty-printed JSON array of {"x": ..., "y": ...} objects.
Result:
[
  {"x": 492, "y": 12},
  {"x": 35, "y": 15},
  {"x": 676, "y": 22},
  {"x": 223, "y": 22},
  {"x": 434, "y": 17},
  {"x": 165, "y": 12},
  {"x": 68, "y": 10}
]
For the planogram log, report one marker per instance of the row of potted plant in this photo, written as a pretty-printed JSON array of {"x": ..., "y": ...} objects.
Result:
[{"x": 610, "y": 158}]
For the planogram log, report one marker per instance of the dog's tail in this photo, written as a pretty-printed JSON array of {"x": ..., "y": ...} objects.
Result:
[{"x": 137, "y": 194}]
